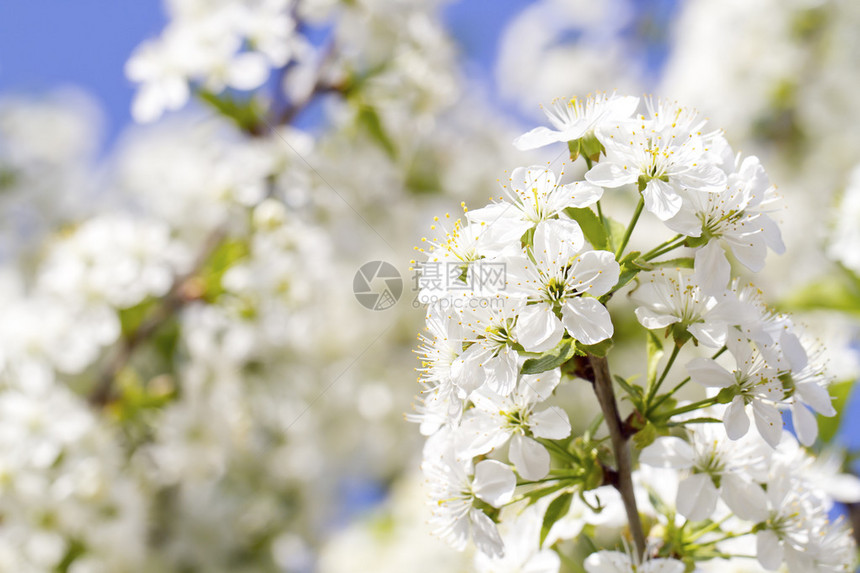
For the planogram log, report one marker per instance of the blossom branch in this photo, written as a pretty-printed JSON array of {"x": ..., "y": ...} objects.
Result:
[
  {"x": 620, "y": 446},
  {"x": 171, "y": 302}
]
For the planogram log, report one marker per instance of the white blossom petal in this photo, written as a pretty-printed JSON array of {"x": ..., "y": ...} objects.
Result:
[
  {"x": 748, "y": 500},
  {"x": 735, "y": 419},
  {"x": 768, "y": 550},
  {"x": 551, "y": 423},
  {"x": 538, "y": 328},
  {"x": 587, "y": 320},
  {"x": 530, "y": 458},
  {"x": 494, "y": 482},
  {"x": 668, "y": 452},
  {"x": 697, "y": 497}
]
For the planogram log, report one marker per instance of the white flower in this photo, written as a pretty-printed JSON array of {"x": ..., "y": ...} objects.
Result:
[
  {"x": 555, "y": 278},
  {"x": 618, "y": 562},
  {"x": 575, "y": 118},
  {"x": 495, "y": 419},
  {"x": 753, "y": 384},
  {"x": 535, "y": 195},
  {"x": 665, "y": 153},
  {"x": 719, "y": 468},
  {"x": 452, "y": 493},
  {"x": 807, "y": 384},
  {"x": 846, "y": 235},
  {"x": 737, "y": 216},
  {"x": 441, "y": 399},
  {"x": 798, "y": 532},
  {"x": 491, "y": 358},
  {"x": 677, "y": 299},
  {"x": 523, "y": 554}
]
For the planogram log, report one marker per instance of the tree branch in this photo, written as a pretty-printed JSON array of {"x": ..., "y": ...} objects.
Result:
[
  {"x": 624, "y": 472},
  {"x": 175, "y": 299}
]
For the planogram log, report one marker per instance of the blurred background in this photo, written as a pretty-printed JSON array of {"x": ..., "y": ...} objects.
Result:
[{"x": 187, "y": 190}]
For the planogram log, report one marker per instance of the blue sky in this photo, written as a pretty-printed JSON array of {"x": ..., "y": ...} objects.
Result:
[{"x": 46, "y": 44}]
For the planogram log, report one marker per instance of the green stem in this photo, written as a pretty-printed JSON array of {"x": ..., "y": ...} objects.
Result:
[
  {"x": 592, "y": 428},
  {"x": 558, "y": 449},
  {"x": 629, "y": 231},
  {"x": 665, "y": 244},
  {"x": 681, "y": 384},
  {"x": 653, "y": 391},
  {"x": 691, "y": 407},
  {"x": 606, "y": 227},
  {"x": 663, "y": 251}
]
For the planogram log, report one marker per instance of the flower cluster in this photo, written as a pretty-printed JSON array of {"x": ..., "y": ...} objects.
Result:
[{"x": 519, "y": 306}]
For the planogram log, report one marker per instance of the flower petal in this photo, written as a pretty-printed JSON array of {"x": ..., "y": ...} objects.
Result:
[
  {"x": 661, "y": 199},
  {"x": 712, "y": 268},
  {"x": 538, "y": 137},
  {"x": 551, "y": 423},
  {"x": 538, "y": 328},
  {"x": 485, "y": 534},
  {"x": 768, "y": 421},
  {"x": 735, "y": 419},
  {"x": 587, "y": 320},
  {"x": 607, "y": 174},
  {"x": 494, "y": 482},
  {"x": 748, "y": 500},
  {"x": 708, "y": 373},
  {"x": 668, "y": 452},
  {"x": 697, "y": 497},
  {"x": 768, "y": 550},
  {"x": 530, "y": 458}
]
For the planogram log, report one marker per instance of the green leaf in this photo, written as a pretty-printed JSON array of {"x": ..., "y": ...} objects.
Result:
[
  {"x": 369, "y": 120},
  {"x": 703, "y": 420},
  {"x": 600, "y": 349},
  {"x": 645, "y": 437},
  {"x": 726, "y": 395},
  {"x": 564, "y": 351},
  {"x": 630, "y": 267},
  {"x": 245, "y": 113},
  {"x": 616, "y": 232},
  {"x": 827, "y": 427},
  {"x": 655, "y": 353},
  {"x": 557, "y": 509},
  {"x": 592, "y": 227},
  {"x": 635, "y": 393},
  {"x": 830, "y": 293},
  {"x": 227, "y": 254},
  {"x": 573, "y": 147},
  {"x": 132, "y": 317},
  {"x": 591, "y": 146},
  {"x": 680, "y": 263}
]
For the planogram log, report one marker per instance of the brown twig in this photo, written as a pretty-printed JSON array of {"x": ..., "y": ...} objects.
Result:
[
  {"x": 176, "y": 298},
  {"x": 624, "y": 472}
]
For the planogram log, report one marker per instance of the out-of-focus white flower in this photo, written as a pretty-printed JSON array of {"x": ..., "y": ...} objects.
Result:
[
  {"x": 617, "y": 562},
  {"x": 522, "y": 550},
  {"x": 846, "y": 235},
  {"x": 116, "y": 259}
]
